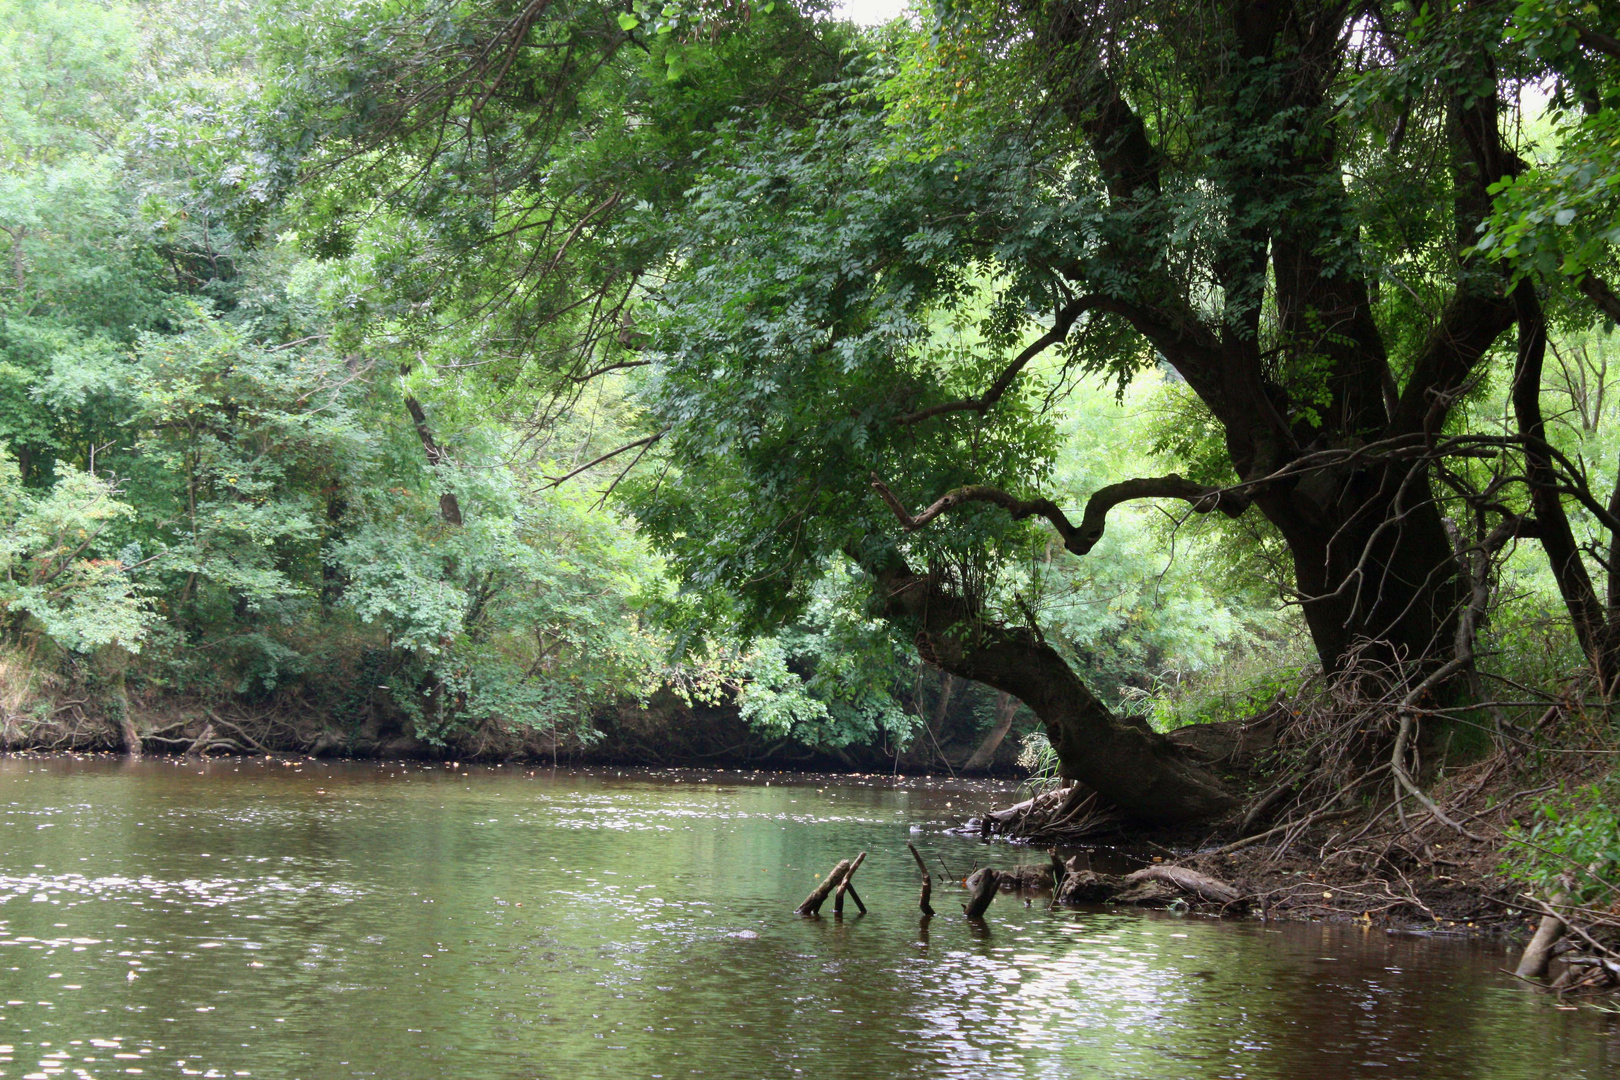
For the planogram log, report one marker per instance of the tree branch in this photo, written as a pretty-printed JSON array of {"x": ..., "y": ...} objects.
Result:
[
  {"x": 981, "y": 404},
  {"x": 1469, "y": 325},
  {"x": 1599, "y": 42},
  {"x": 1077, "y": 539},
  {"x": 650, "y": 439},
  {"x": 1598, "y": 291}
]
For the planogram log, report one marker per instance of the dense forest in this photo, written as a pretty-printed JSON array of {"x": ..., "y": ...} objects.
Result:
[
  {"x": 282, "y": 442},
  {"x": 1206, "y": 405}
]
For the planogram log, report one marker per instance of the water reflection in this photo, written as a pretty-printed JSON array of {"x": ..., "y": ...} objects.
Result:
[{"x": 407, "y": 922}]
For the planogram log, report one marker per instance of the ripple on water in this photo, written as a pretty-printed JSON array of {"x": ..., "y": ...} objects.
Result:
[{"x": 420, "y": 924}]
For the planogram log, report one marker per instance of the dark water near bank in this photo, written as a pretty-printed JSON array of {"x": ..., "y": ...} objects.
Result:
[{"x": 406, "y": 922}]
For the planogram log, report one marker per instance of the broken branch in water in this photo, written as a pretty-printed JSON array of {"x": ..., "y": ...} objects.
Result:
[
  {"x": 982, "y": 885},
  {"x": 927, "y": 880},
  {"x": 836, "y": 880},
  {"x": 844, "y": 886}
]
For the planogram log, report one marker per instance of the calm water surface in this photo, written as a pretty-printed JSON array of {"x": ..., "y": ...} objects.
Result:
[{"x": 331, "y": 920}]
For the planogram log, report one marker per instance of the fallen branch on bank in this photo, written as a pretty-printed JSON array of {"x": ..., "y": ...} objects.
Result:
[{"x": 1151, "y": 886}]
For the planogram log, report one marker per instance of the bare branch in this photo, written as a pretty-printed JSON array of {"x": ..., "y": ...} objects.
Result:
[
  {"x": 1060, "y": 330},
  {"x": 1077, "y": 539},
  {"x": 552, "y": 482}
]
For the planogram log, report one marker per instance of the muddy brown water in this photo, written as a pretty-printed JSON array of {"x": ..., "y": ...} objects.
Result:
[{"x": 406, "y": 921}]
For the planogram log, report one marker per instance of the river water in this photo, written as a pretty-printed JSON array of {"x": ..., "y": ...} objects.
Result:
[{"x": 406, "y": 921}]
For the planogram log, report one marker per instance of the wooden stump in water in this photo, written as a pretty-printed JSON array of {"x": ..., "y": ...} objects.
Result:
[
  {"x": 1538, "y": 954},
  {"x": 845, "y": 886},
  {"x": 835, "y": 881},
  {"x": 982, "y": 884},
  {"x": 927, "y": 883}
]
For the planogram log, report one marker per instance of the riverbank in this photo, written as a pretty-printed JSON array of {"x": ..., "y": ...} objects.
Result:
[{"x": 665, "y": 730}]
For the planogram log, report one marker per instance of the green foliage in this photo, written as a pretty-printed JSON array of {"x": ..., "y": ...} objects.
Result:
[
  {"x": 59, "y": 576},
  {"x": 831, "y": 678},
  {"x": 1573, "y": 839},
  {"x": 1037, "y": 758}
]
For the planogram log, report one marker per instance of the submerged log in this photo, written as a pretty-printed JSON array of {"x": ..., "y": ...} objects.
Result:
[
  {"x": 818, "y": 895},
  {"x": 837, "y": 880},
  {"x": 982, "y": 885}
]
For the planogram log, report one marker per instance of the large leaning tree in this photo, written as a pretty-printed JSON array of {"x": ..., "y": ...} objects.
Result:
[
  {"x": 1283, "y": 202},
  {"x": 852, "y": 288}
]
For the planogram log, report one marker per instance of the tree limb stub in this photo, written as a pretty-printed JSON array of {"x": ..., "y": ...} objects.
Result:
[
  {"x": 927, "y": 881},
  {"x": 845, "y": 886},
  {"x": 983, "y": 884},
  {"x": 1539, "y": 953},
  {"x": 1077, "y": 539}
]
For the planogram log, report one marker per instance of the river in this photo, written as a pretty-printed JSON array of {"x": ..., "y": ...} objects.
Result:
[{"x": 423, "y": 922}]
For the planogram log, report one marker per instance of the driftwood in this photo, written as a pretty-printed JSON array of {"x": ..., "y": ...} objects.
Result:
[
  {"x": 1062, "y": 815},
  {"x": 927, "y": 881},
  {"x": 1149, "y": 887},
  {"x": 982, "y": 885},
  {"x": 835, "y": 881},
  {"x": 818, "y": 895},
  {"x": 201, "y": 743},
  {"x": 1191, "y": 881}
]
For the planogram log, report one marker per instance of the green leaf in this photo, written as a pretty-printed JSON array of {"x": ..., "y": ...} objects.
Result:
[{"x": 628, "y": 21}]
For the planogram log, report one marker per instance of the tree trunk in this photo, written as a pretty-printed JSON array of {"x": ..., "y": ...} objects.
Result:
[
  {"x": 1373, "y": 565},
  {"x": 111, "y": 662},
  {"x": 449, "y": 505},
  {"x": 1125, "y": 761},
  {"x": 1006, "y": 709}
]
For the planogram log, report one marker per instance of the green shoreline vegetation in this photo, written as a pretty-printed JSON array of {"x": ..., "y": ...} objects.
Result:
[{"x": 723, "y": 381}]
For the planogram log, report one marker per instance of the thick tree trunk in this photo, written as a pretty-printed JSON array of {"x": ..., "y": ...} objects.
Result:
[
  {"x": 1126, "y": 762},
  {"x": 1374, "y": 568}
]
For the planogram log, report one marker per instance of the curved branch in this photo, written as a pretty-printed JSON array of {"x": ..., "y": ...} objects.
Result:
[
  {"x": 1077, "y": 539},
  {"x": 981, "y": 404}
]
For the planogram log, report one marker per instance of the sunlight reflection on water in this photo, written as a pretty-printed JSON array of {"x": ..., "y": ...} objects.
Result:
[{"x": 405, "y": 922}]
